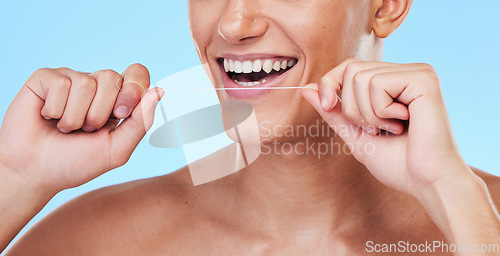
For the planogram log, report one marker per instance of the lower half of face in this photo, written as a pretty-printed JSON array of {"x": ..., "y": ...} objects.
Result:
[{"x": 255, "y": 49}]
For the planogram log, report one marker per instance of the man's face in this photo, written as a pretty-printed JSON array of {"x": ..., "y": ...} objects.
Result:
[{"x": 306, "y": 37}]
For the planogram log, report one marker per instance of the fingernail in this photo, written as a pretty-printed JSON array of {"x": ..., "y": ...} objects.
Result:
[
  {"x": 370, "y": 130},
  {"x": 47, "y": 118},
  {"x": 159, "y": 95},
  {"x": 64, "y": 130},
  {"x": 122, "y": 112},
  {"x": 393, "y": 132},
  {"x": 87, "y": 128},
  {"x": 162, "y": 92},
  {"x": 324, "y": 103}
]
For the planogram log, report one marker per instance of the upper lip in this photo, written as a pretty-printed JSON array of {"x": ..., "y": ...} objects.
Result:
[{"x": 252, "y": 56}]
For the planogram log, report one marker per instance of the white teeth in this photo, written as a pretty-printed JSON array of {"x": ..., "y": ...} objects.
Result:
[
  {"x": 257, "y": 66},
  {"x": 247, "y": 84},
  {"x": 247, "y": 66},
  {"x": 226, "y": 65},
  {"x": 238, "y": 67},
  {"x": 277, "y": 66},
  {"x": 268, "y": 66},
  {"x": 284, "y": 64}
]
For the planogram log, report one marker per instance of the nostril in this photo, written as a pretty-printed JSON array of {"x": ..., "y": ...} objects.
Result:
[
  {"x": 248, "y": 38},
  {"x": 241, "y": 29}
]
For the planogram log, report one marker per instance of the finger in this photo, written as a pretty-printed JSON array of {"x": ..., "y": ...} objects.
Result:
[
  {"x": 350, "y": 107},
  {"x": 336, "y": 78},
  {"x": 328, "y": 92},
  {"x": 135, "y": 83},
  {"x": 384, "y": 94},
  {"x": 419, "y": 90},
  {"x": 126, "y": 137},
  {"x": 362, "y": 82},
  {"x": 347, "y": 130},
  {"x": 55, "y": 91},
  {"x": 28, "y": 104},
  {"x": 104, "y": 100},
  {"x": 331, "y": 83},
  {"x": 354, "y": 83},
  {"x": 82, "y": 92}
]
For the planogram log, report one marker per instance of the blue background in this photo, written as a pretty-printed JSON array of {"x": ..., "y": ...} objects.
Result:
[{"x": 459, "y": 38}]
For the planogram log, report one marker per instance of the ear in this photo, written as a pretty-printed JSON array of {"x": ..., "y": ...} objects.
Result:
[{"x": 389, "y": 14}]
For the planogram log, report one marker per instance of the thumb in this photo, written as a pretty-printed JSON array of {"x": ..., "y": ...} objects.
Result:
[
  {"x": 126, "y": 137},
  {"x": 334, "y": 118}
]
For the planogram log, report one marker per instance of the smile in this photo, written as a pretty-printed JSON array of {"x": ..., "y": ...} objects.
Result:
[
  {"x": 250, "y": 73},
  {"x": 256, "y": 73}
]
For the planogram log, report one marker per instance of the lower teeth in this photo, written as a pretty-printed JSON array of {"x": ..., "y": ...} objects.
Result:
[{"x": 248, "y": 84}]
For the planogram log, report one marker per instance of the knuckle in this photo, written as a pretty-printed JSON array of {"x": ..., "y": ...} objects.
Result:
[
  {"x": 51, "y": 112},
  {"x": 351, "y": 69},
  {"x": 63, "y": 69},
  {"x": 88, "y": 83},
  {"x": 351, "y": 59},
  {"x": 42, "y": 71},
  {"x": 108, "y": 74},
  {"x": 430, "y": 76},
  {"x": 62, "y": 82},
  {"x": 427, "y": 67},
  {"x": 376, "y": 81},
  {"x": 70, "y": 124},
  {"x": 358, "y": 78}
]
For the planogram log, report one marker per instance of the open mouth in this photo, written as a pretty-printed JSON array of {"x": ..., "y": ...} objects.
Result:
[{"x": 256, "y": 72}]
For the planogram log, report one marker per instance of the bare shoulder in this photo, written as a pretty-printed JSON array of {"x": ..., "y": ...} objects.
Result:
[
  {"x": 408, "y": 219},
  {"x": 105, "y": 221},
  {"x": 493, "y": 184}
]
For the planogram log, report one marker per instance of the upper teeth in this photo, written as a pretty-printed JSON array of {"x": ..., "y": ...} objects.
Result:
[{"x": 249, "y": 66}]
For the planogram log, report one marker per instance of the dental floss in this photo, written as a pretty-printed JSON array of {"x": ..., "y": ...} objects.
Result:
[{"x": 231, "y": 89}]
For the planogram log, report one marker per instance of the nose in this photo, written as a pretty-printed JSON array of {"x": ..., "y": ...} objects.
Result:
[{"x": 241, "y": 21}]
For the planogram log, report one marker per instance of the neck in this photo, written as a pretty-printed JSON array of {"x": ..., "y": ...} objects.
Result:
[{"x": 304, "y": 191}]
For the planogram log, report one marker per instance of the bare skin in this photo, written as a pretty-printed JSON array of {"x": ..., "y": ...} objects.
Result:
[
  {"x": 169, "y": 216},
  {"x": 414, "y": 187}
]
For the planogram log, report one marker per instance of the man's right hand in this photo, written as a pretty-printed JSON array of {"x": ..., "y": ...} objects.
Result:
[{"x": 61, "y": 129}]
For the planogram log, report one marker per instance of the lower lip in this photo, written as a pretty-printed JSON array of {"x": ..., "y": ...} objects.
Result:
[{"x": 256, "y": 90}]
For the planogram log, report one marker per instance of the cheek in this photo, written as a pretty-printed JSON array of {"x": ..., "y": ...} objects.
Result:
[
  {"x": 203, "y": 24},
  {"x": 329, "y": 36}
]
